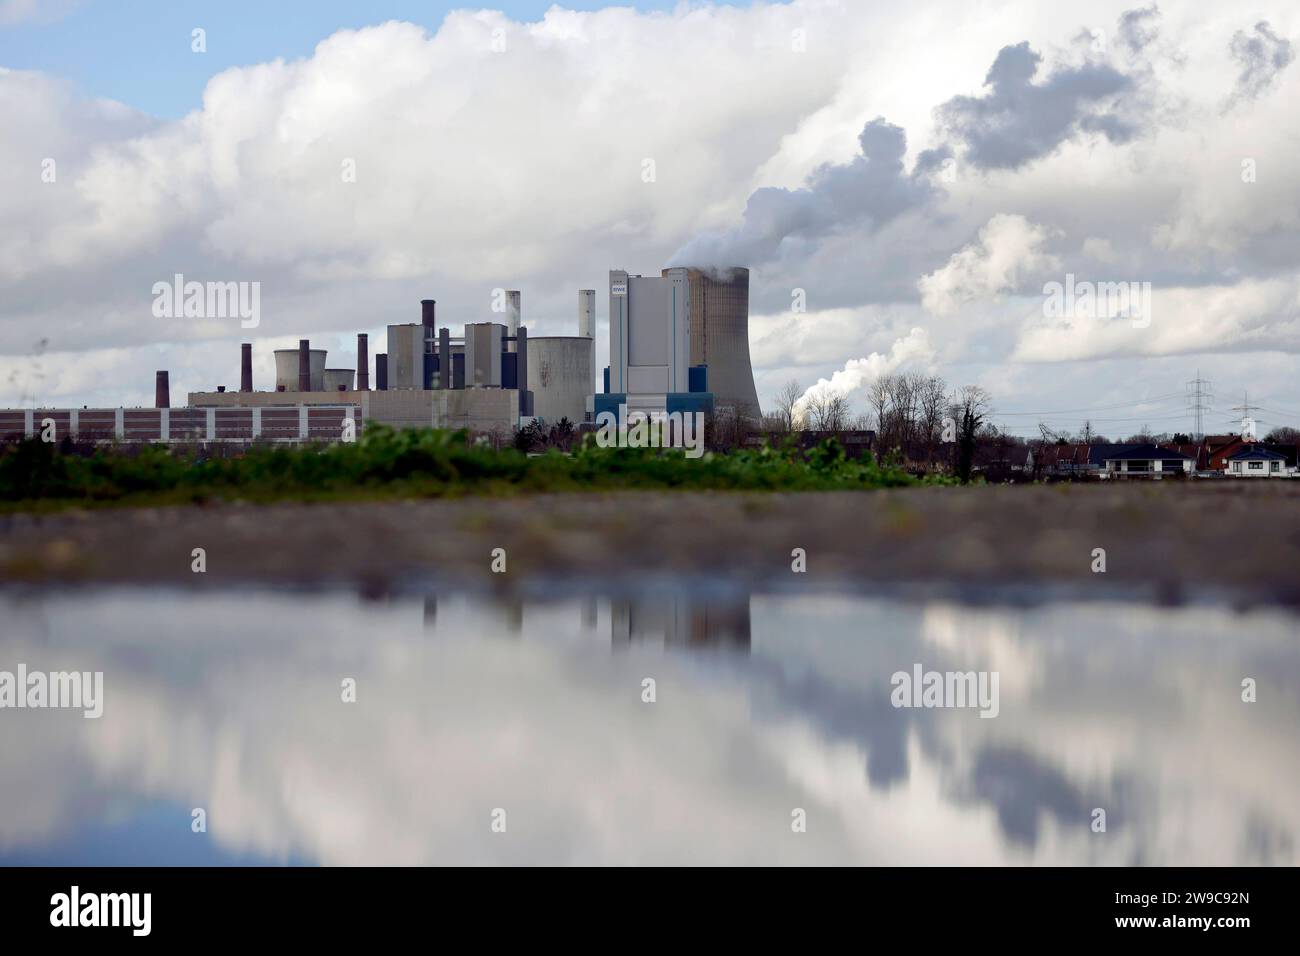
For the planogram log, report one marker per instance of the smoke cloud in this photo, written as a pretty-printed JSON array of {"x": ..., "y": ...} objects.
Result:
[
  {"x": 1019, "y": 120},
  {"x": 914, "y": 349},
  {"x": 870, "y": 190}
]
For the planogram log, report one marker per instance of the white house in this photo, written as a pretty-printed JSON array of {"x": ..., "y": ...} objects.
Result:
[
  {"x": 1145, "y": 461},
  {"x": 1256, "y": 461}
]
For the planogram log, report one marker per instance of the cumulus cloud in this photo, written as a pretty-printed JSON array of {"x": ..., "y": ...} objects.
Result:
[
  {"x": 1008, "y": 250},
  {"x": 1239, "y": 317},
  {"x": 1019, "y": 120},
  {"x": 1262, "y": 55},
  {"x": 911, "y": 351},
  {"x": 868, "y": 192}
]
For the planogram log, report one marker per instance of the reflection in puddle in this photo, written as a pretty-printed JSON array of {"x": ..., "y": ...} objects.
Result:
[{"x": 232, "y": 702}]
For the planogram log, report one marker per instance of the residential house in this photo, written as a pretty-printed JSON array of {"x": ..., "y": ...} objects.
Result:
[
  {"x": 1257, "y": 461},
  {"x": 1217, "y": 449},
  {"x": 1145, "y": 461},
  {"x": 1069, "y": 460}
]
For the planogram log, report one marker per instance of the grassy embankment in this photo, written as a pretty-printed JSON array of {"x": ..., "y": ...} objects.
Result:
[{"x": 408, "y": 463}]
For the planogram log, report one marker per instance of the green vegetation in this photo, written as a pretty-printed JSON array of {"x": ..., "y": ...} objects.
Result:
[{"x": 389, "y": 463}]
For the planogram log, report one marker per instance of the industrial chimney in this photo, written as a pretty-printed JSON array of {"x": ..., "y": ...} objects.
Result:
[
  {"x": 587, "y": 313},
  {"x": 246, "y": 367},
  {"x": 381, "y": 371},
  {"x": 512, "y": 317},
  {"x": 363, "y": 362},
  {"x": 304, "y": 365},
  {"x": 427, "y": 313},
  {"x": 161, "y": 391}
]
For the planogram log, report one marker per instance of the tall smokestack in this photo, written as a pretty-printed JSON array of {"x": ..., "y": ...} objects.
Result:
[
  {"x": 428, "y": 315},
  {"x": 381, "y": 371},
  {"x": 304, "y": 365},
  {"x": 521, "y": 376},
  {"x": 246, "y": 367},
  {"x": 162, "y": 391},
  {"x": 444, "y": 358},
  {"x": 587, "y": 313},
  {"x": 363, "y": 362},
  {"x": 512, "y": 317}
]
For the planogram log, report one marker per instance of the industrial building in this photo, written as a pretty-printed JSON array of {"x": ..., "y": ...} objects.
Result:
[
  {"x": 427, "y": 378},
  {"x": 678, "y": 343},
  {"x": 649, "y": 369}
]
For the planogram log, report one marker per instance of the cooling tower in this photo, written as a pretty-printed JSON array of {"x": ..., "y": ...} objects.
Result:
[
  {"x": 335, "y": 377},
  {"x": 719, "y": 316},
  {"x": 286, "y": 369},
  {"x": 561, "y": 374}
]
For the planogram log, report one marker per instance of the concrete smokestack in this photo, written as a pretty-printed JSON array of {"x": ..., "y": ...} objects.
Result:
[
  {"x": 162, "y": 393},
  {"x": 363, "y": 362},
  {"x": 521, "y": 374},
  {"x": 428, "y": 313},
  {"x": 381, "y": 371},
  {"x": 444, "y": 358},
  {"x": 587, "y": 313},
  {"x": 246, "y": 367},
  {"x": 512, "y": 317},
  {"x": 304, "y": 365}
]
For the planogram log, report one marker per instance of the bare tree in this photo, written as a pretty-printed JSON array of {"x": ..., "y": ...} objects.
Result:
[
  {"x": 783, "y": 413},
  {"x": 726, "y": 430},
  {"x": 907, "y": 390},
  {"x": 879, "y": 395},
  {"x": 933, "y": 404},
  {"x": 837, "y": 413},
  {"x": 827, "y": 411}
]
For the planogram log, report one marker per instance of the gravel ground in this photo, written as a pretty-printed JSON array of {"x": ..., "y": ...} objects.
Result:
[{"x": 1166, "y": 541}]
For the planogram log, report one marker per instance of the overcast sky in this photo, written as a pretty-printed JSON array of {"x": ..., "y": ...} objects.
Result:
[{"x": 914, "y": 173}]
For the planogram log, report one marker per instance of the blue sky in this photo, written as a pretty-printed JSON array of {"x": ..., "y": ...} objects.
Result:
[{"x": 139, "y": 52}]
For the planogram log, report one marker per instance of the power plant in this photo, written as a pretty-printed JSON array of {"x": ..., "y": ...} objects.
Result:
[{"x": 678, "y": 342}]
